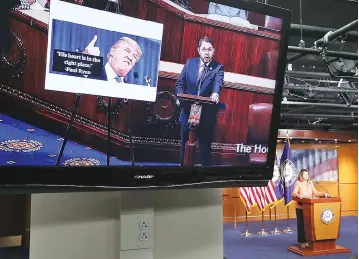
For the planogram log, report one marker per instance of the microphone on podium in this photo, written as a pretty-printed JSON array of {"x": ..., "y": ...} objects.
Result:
[{"x": 329, "y": 196}]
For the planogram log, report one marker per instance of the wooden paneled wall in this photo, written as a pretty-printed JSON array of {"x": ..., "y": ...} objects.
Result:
[
  {"x": 346, "y": 187},
  {"x": 348, "y": 178},
  {"x": 182, "y": 31}
]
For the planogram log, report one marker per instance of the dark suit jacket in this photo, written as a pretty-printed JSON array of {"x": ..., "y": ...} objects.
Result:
[
  {"x": 188, "y": 83},
  {"x": 104, "y": 76}
]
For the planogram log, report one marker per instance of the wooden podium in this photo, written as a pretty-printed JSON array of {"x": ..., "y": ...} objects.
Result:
[
  {"x": 322, "y": 226},
  {"x": 193, "y": 121}
]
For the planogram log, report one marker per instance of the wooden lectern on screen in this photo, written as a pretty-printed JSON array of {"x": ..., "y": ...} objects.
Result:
[
  {"x": 193, "y": 121},
  {"x": 322, "y": 226}
]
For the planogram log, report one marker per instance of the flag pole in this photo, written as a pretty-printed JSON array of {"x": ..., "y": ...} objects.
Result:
[
  {"x": 275, "y": 231},
  {"x": 288, "y": 230},
  {"x": 262, "y": 232},
  {"x": 246, "y": 233},
  {"x": 289, "y": 167}
]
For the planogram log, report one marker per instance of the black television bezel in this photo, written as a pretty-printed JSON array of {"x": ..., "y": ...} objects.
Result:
[{"x": 23, "y": 179}]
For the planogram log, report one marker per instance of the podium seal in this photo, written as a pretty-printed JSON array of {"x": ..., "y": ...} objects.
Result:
[{"x": 327, "y": 216}]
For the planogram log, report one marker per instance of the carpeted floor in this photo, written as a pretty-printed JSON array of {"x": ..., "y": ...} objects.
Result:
[
  {"x": 22, "y": 144},
  {"x": 275, "y": 246},
  {"x": 14, "y": 253},
  {"x": 261, "y": 247}
]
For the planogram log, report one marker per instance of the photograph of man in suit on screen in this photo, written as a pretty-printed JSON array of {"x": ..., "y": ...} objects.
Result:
[
  {"x": 202, "y": 76},
  {"x": 121, "y": 59},
  {"x": 105, "y": 55}
]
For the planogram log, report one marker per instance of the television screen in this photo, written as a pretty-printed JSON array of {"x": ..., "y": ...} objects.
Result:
[{"x": 165, "y": 92}]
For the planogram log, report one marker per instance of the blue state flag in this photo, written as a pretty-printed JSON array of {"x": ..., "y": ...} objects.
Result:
[
  {"x": 277, "y": 180},
  {"x": 289, "y": 173}
]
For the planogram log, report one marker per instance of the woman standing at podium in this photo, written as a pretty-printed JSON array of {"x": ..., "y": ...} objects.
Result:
[{"x": 304, "y": 188}]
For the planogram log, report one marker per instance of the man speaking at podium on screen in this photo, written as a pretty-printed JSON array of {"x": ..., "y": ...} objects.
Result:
[
  {"x": 201, "y": 76},
  {"x": 122, "y": 57}
]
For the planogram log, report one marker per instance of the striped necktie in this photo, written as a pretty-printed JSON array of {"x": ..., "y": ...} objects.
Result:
[
  {"x": 203, "y": 73},
  {"x": 118, "y": 79}
]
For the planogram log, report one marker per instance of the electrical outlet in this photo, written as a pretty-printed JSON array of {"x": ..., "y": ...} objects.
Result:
[
  {"x": 137, "y": 231},
  {"x": 143, "y": 225},
  {"x": 145, "y": 231},
  {"x": 143, "y": 236}
]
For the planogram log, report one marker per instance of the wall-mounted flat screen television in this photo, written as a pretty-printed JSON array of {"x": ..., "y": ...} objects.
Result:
[{"x": 161, "y": 94}]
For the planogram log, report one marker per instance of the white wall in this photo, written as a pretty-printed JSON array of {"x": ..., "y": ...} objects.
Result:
[
  {"x": 188, "y": 224},
  {"x": 74, "y": 226},
  {"x": 193, "y": 220}
]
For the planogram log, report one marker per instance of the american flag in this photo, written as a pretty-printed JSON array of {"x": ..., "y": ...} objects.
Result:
[{"x": 260, "y": 196}]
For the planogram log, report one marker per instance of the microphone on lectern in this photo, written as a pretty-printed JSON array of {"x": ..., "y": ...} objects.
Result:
[{"x": 329, "y": 196}]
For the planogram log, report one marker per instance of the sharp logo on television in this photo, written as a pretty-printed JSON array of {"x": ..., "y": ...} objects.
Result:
[{"x": 148, "y": 176}]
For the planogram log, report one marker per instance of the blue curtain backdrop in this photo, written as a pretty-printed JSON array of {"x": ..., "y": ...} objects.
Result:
[{"x": 70, "y": 36}]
